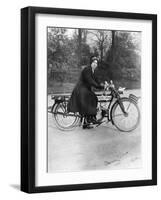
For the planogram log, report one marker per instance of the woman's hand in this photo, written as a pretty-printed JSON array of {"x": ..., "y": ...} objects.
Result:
[
  {"x": 102, "y": 85},
  {"x": 106, "y": 85}
]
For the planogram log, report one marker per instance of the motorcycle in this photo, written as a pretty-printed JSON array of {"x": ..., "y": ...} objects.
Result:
[{"x": 122, "y": 112}]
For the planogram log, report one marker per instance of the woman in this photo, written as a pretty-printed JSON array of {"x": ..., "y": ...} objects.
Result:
[{"x": 83, "y": 99}]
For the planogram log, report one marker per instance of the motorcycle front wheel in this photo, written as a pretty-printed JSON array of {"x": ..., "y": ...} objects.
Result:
[{"x": 125, "y": 121}]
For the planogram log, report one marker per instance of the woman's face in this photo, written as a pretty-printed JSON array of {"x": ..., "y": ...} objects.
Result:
[{"x": 94, "y": 64}]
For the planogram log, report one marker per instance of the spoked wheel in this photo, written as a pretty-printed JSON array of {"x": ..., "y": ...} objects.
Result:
[
  {"x": 64, "y": 120},
  {"x": 129, "y": 120}
]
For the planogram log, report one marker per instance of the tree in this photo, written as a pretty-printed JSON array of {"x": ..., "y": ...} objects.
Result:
[
  {"x": 124, "y": 55},
  {"x": 111, "y": 51},
  {"x": 79, "y": 46},
  {"x": 102, "y": 41},
  {"x": 56, "y": 39},
  {"x": 82, "y": 48}
]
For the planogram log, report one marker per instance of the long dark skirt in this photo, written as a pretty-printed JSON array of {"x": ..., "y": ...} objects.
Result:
[{"x": 83, "y": 100}]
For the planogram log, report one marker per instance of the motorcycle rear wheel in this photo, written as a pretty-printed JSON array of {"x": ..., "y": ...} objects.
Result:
[{"x": 63, "y": 120}]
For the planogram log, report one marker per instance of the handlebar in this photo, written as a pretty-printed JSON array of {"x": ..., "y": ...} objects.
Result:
[{"x": 111, "y": 86}]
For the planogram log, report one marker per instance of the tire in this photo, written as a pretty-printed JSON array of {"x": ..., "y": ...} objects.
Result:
[
  {"x": 125, "y": 122},
  {"x": 63, "y": 121}
]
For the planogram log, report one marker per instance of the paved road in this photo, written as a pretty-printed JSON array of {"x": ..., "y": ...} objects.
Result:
[{"x": 100, "y": 148}]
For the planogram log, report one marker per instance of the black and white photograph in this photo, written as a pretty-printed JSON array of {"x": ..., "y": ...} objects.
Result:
[
  {"x": 90, "y": 79},
  {"x": 94, "y": 96}
]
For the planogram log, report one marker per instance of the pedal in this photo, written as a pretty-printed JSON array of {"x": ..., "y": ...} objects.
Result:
[{"x": 99, "y": 123}]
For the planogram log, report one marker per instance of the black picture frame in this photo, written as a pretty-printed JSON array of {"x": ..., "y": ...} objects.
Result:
[{"x": 28, "y": 171}]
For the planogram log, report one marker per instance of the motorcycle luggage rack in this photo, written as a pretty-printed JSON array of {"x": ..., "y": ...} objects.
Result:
[{"x": 60, "y": 95}]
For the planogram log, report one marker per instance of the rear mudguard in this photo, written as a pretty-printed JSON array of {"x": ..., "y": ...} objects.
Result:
[
  {"x": 52, "y": 108},
  {"x": 117, "y": 102},
  {"x": 60, "y": 99},
  {"x": 57, "y": 101}
]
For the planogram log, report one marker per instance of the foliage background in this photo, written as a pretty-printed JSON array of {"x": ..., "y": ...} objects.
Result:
[{"x": 69, "y": 51}]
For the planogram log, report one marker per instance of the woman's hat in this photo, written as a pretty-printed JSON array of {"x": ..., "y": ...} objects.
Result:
[{"x": 93, "y": 58}]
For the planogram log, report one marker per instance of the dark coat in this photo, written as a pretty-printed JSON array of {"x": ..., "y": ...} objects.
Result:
[{"x": 83, "y": 99}]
